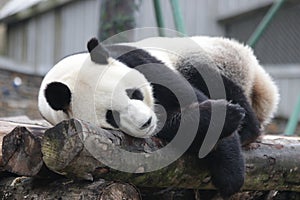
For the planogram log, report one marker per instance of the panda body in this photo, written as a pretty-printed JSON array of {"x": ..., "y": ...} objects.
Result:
[
  {"x": 115, "y": 87},
  {"x": 230, "y": 58}
]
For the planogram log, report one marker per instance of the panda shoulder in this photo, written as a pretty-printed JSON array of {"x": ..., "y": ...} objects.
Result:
[{"x": 230, "y": 52}]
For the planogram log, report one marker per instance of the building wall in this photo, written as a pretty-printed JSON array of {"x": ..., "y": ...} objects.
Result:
[
  {"x": 231, "y": 8},
  {"x": 43, "y": 40},
  {"x": 280, "y": 43},
  {"x": 2, "y": 39},
  {"x": 199, "y": 16},
  {"x": 20, "y": 100}
]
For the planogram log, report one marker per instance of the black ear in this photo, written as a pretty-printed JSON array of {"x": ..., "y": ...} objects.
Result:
[
  {"x": 58, "y": 96},
  {"x": 98, "y": 53}
]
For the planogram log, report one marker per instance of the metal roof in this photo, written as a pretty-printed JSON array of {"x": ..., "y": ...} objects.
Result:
[{"x": 14, "y": 6}]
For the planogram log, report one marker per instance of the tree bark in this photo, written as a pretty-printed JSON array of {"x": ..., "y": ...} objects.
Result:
[
  {"x": 271, "y": 164},
  {"x": 29, "y": 188}
]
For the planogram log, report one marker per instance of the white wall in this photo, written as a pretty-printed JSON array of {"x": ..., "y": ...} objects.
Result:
[
  {"x": 199, "y": 16},
  {"x": 229, "y": 8},
  {"x": 41, "y": 41}
]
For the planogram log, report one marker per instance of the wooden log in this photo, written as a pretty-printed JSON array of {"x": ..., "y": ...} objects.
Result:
[
  {"x": 29, "y": 188},
  {"x": 65, "y": 149},
  {"x": 271, "y": 164},
  {"x": 21, "y": 145},
  {"x": 21, "y": 151}
]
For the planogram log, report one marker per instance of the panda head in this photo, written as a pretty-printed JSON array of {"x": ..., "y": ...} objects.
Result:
[{"x": 97, "y": 88}]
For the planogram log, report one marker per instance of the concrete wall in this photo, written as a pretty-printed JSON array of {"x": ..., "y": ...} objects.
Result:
[
  {"x": 18, "y": 100},
  {"x": 2, "y": 39},
  {"x": 43, "y": 40}
]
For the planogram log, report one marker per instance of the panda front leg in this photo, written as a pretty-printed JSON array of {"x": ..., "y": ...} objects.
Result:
[
  {"x": 234, "y": 115},
  {"x": 226, "y": 161},
  {"x": 227, "y": 166},
  {"x": 250, "y": 130}
]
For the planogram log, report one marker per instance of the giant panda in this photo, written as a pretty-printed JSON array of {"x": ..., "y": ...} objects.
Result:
[{"x": 115, "y": 87}]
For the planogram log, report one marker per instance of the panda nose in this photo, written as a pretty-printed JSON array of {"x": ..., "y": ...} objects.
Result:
[{"x": 147, "y": 124}]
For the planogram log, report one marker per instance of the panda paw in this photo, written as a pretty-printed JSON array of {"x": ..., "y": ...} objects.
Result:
[{"x": 234, "y": 114}]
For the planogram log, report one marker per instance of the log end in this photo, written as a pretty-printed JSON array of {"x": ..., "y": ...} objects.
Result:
[{"x": 21, "y": 152}]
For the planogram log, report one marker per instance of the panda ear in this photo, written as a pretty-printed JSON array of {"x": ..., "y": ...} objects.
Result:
[
  {"x": 99, "y": 54},
  {"x": 58, "y": 96}
]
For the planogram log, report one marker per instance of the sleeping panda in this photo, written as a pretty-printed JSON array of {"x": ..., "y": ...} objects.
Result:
[{"x": 120, "y": 86}]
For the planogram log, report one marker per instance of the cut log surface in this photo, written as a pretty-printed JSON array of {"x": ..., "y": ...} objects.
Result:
[
  {"x": 20, "y": 143},
  {"x": 76, "y": 149}
]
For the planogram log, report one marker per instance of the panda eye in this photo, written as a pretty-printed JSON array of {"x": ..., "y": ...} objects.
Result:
[{"x": 135, "y": 94}]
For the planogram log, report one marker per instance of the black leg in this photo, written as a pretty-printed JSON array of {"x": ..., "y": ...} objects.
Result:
[
  {"x": 250, "y": 128},
  {"x": 227, "y": 166}
]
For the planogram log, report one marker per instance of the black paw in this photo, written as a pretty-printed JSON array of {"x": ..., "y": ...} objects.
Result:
[{"x": 233, "y": 114}]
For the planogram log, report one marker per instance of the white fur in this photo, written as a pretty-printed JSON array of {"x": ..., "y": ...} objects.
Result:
[{"x": 96, "y": 88}]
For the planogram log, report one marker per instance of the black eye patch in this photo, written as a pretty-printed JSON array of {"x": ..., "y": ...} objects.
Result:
[
  {"x": 113, "y": 118},
  {"x": 135, "y": 94}
]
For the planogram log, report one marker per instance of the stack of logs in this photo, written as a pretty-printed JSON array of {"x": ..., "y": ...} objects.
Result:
[{"x": 38, "y": 161}]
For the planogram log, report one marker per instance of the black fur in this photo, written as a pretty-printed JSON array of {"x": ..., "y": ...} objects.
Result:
[
  {"x": 131, "y": 56},
  {"x": 227, "y": 166},
  {"x": 135, "y": 94},
  {"x": 250, "y": 128},
  {"x": 113, "y": 118},
  {"x": 58, "y": 96},
  {"x": 98, "y": 53},
  {"x": 92, "y": 44}
]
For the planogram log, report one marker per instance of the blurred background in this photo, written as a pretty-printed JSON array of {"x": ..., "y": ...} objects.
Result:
[{"x": 35, "y": 34}]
